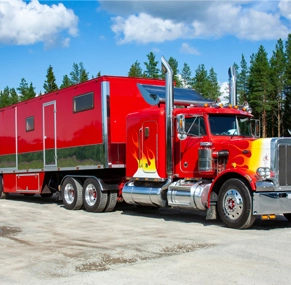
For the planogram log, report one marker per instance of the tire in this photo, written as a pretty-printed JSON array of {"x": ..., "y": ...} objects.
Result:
[
  {"x": 111, "y": 202},
  {"x": 72, "y": 194},
  {"x": 235, "y": 204},
  {"x": 94, "y": 199},
  {"x": 2, "y": 194},
  {"x": 288, "y": 217}
]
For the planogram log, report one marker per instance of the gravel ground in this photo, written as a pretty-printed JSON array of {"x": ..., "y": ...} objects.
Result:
[{"x": 43, "y": 243}]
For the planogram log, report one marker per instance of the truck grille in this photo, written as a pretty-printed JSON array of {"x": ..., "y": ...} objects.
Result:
[{"x": 284, "y": 164}]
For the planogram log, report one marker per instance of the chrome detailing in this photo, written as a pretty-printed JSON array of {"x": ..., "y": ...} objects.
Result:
[
  {"x": 186, "y": 194},
  {"x": 169, "y": 109},
  {"x": 90, "y": 195},
  {"x": 69, "y": 193},
  {"x": 232, "y": 86},
  {"x": 262, "y": 186},
  {"x": 143, "y": 195},
  {"x": 205, "y": 162},
  {"x": 232, "y": 204},
  {"x": 271, "y": 203},
  {"x": 105, "y": 91},
  {"x": 49, "y": 156}
]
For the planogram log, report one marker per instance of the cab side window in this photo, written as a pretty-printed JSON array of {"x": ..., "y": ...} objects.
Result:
[{"x": 195, "y": 126}]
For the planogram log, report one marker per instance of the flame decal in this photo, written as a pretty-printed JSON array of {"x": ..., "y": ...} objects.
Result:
[
  {"x": 146, "y": 160},
  {"x": 250, "y": 154}
]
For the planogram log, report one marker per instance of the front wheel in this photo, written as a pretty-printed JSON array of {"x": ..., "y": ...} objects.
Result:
[
  {"x": 235, "y": 204},
  {"x": 2, "y": 194}
]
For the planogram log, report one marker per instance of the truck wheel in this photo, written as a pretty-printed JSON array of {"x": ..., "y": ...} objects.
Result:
[
  {"x": 111, "y": 203},
  {"x": 235, "y": 204},
  {"x": 72, "y": 194},
  {"x": 94, "y": 199},
  {"x": 2, "y": 194}
]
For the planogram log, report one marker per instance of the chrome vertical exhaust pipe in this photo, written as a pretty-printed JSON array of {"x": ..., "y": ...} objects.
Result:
[
  {"x": 166, "y": 68},
  {"x": 232, "y": 86}
]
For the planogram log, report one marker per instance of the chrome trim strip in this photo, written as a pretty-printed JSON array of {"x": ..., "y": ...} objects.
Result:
[{"x": 105, "y": 95}]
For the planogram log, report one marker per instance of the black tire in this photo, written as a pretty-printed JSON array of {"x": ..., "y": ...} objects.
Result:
[
  {"x": 46, "y": 195},
  {"x": 2, "y": 194},
  {"x": 288, "y": 217},
  {"x": 94, "y": 199},
  {"x": 72, "y": 194},
  {"x": 235, "y": 204},
  {"x": 111, "y": 202}
]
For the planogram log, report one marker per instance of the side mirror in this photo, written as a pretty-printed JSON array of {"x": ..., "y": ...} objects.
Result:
[
  {"x": 182, "y": 135},
  {"x": 256, "y": 128}
]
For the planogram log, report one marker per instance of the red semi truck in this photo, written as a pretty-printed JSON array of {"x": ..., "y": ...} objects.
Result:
[{"x": 145, "y": 142}]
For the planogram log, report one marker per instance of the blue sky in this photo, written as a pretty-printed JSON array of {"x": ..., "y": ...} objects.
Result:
[{"x": 109, "y": 36}]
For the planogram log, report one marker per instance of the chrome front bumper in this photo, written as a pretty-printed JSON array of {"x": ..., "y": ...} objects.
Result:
[{"x": 271, "y": 203}]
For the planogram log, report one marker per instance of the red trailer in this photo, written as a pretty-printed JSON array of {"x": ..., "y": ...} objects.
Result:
[{"x": 142, "y": 141}]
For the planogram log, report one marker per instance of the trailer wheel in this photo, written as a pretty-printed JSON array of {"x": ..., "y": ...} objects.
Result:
[
  {"x": 2, "y": 194},
  {"x": 94, "y": 199},
  {"x": 111, "y": 203},
  {"x": 72, "y": 194},
  {"x": 235, "y": 204}
]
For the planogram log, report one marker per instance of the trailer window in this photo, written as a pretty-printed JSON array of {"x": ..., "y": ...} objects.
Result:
[
  {"x": 83, "y": 102},
  {"x": 29, "y": 124}
]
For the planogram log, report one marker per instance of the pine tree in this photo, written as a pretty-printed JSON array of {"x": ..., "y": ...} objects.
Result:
[
  {"x": 4, "y": 97},
  {"x": 23, "y": 89},
  {"x": 151, "y": 66},
  {"x": 13, "y": 96},
  {"x": 186, "y": 76},
  {"x": 66, "y": 82},
  {"x": 242, "y": 80},
  {"x": 135, "y": 70},
  {"x": 50, "y": 84},
  {"x": 259, "y": 86},
  {"x": 78, "y": 74},
  {"x": 174, "y": 65},
  {"x": 214, "y": 90},
  {"x": 201, "y": 81},
  {"x": 277, "y": 63},
  {"x": 287, "y": 88}
]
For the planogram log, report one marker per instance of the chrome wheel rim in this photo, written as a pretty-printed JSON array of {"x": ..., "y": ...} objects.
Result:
[
  {"x": 90, "y": 195},
  {"x": 69, "y": 193},
  {"x": 232, "y": 204}
]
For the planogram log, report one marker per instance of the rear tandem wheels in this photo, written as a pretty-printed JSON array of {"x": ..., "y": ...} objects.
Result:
[{"x": 88, "y": 196}]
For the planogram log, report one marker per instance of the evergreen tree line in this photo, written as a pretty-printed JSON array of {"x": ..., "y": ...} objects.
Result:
[{"x": 265, "y": 84}]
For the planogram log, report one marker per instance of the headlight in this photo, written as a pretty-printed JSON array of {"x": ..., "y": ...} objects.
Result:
[{"x": 264, "y": 172}]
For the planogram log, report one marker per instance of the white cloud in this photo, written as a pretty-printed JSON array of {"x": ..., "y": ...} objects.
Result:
[
  {"x": 158, "y": 21},
  {"x": 28, "y": 23},
  {"x": 144, "y": 28},
  {"x": 186, "y": 48}
]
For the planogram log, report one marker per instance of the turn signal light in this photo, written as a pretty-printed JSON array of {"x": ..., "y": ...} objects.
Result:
[{"x": 268, "y": 217}]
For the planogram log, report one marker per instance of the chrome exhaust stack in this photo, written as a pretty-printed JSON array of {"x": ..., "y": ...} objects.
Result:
[
  {"x": 166, "y": 68},
  {"x": 232, "y": 86}
]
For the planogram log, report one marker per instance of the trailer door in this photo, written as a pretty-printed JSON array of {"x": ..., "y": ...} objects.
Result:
[{"x": 49, "y": 134}]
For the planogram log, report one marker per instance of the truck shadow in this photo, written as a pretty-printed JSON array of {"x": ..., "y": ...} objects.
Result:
[
  {"x": 192, "y": 216},
  {"x": 35, "y": 199}
]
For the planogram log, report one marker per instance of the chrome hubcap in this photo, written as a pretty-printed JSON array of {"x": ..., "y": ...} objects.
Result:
[
  {"x": 69, "y": 193},
  {"x": 90, "y": 195},
  {"x": 232, "y": 204}
]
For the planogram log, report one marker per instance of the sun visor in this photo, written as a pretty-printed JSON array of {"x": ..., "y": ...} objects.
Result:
[{"x": 154, "y": 95}]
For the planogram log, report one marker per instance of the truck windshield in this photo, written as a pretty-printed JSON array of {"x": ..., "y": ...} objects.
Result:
[{"x": 230, "y": 125}]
